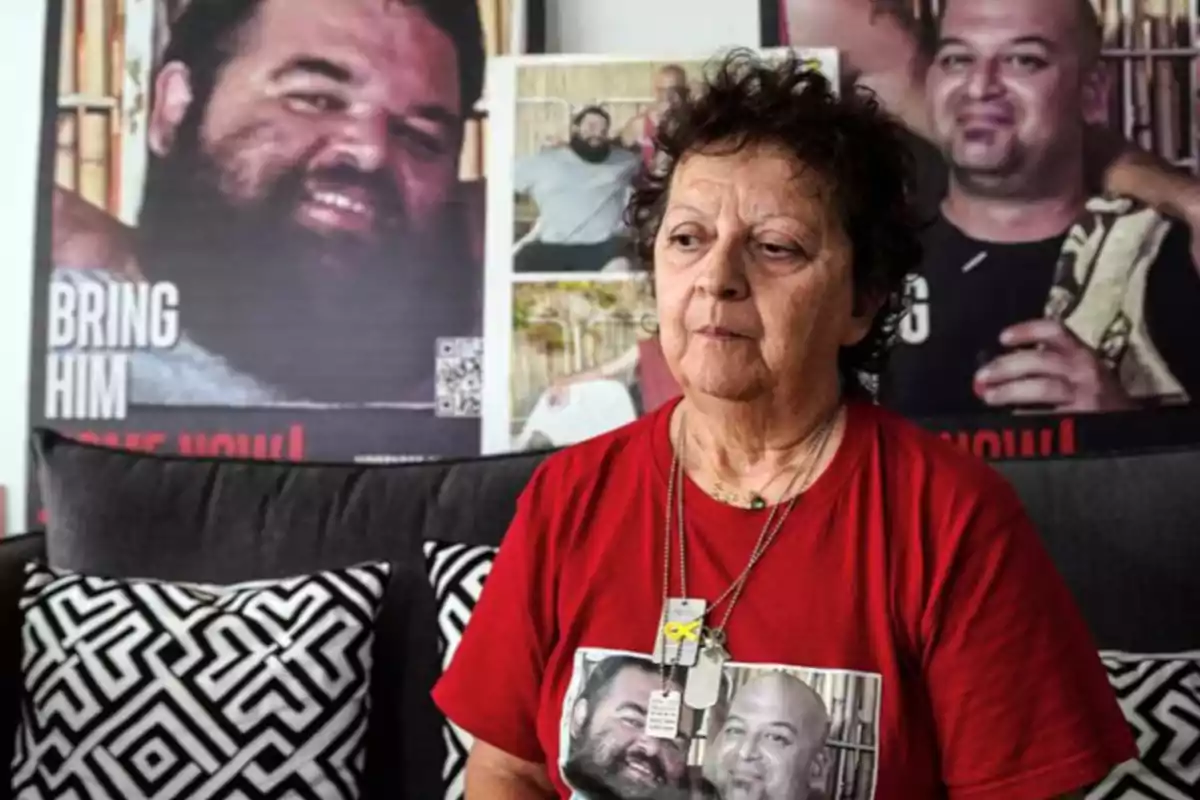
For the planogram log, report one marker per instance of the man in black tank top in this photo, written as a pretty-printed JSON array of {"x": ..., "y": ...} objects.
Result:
[{"x": 1010, "y": 89}]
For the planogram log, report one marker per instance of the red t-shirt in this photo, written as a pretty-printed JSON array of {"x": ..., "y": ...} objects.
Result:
[{"x": 906, "y": 635}]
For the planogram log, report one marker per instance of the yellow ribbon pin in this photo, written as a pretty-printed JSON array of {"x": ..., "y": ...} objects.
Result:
[{"x": 678, "y": 631}]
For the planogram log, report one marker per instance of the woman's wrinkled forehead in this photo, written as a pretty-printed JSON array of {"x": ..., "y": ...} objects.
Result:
[{"x": 756, "y": 181}]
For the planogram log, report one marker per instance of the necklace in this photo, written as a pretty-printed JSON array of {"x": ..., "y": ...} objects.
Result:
[
  {"x": 683, "y": 638},
  {"x": 755, "y": 501}
]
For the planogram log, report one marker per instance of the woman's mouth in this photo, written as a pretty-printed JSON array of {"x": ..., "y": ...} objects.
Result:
[{"x": 720, "y": 333}]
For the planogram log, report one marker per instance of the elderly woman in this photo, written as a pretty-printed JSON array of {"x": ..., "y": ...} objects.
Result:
[{"x": 774, "y": 516}]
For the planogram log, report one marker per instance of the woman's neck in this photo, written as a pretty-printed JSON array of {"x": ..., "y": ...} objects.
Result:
[{"x": 744, "y": 446}]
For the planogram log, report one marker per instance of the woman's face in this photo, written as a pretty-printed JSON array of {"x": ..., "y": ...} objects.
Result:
[{"x": 753, "y": 277}]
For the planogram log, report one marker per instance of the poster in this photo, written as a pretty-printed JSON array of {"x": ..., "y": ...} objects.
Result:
[
  {"x": 570, "y": 334},
  {"x": 266, "y": 246},
  {"x": 1009, "y": 102}
]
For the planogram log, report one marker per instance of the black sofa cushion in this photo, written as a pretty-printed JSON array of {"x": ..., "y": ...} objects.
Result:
[
  {"x": 1124, "y": 531},
  {"x": 137, "y": 688},
  {"x": 225, "y": 521}
]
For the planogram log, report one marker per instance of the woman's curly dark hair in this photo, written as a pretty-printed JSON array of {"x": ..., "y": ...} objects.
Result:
[{"x": 861, "y": 152}]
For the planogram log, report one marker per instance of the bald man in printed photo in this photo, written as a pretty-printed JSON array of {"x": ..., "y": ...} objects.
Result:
[{"x": 771, "y": 743}]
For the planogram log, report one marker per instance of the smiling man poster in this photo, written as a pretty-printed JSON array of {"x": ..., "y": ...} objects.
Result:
[{"x": 264, "y": 227}]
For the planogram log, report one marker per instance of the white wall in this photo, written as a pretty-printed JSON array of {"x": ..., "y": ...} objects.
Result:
[
  {"x": 22, "y": 31},
  {"x": 672, "y": 28}
]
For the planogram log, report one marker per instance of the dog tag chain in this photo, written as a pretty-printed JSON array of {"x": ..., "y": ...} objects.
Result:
[
  {"x": 706, "y": 665},
  {"x": 676, "y": 643}
]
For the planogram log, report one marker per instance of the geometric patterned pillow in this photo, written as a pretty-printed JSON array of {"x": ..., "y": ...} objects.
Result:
[
  {"x": 1160, "y": 696},
  {"x": 457, "y": 573},
  {"x": 148, "y": 689}
]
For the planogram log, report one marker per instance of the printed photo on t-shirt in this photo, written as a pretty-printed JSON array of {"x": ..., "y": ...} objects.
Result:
[{"x": 776, "y": 732}]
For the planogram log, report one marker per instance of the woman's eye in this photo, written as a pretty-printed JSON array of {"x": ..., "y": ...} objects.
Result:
[
  {"x": 685, "y": 241},
  {"x": 779, "y": 250}
]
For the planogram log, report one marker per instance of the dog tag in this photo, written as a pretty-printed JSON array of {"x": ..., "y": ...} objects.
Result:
[
  {"x": 679, "y": 629},
  {"x": 662, "y": 714},
  {"x": 704, "y": 680}
]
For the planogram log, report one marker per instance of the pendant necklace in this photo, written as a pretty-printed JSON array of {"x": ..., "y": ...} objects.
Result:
[
  {"x": 756, "y": 501},
  {"x": 683, "y": 638}
]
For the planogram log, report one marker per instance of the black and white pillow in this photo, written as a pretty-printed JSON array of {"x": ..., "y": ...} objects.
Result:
[
  {"x": 1160, "y": 696},
  {"x": 147, "y": 689},
  {"x": 457, "y": 572}
]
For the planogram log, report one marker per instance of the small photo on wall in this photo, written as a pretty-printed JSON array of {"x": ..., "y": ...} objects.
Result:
[
  {"x": 582, "y": 132},
  {"x": 584, "y": 360}
]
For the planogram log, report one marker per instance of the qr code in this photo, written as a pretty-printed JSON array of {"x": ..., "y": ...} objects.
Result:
[{"x": 459, "y": 377}]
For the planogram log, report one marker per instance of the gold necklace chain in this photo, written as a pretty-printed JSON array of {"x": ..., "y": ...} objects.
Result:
[
  {"x": 770, "y": 530},
  {"x": 755, "y": 501}
]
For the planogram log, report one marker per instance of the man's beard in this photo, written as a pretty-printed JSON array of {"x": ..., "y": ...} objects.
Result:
[
  {"x": 327, "y": 317},
  {"x": 592, "y": 153},
  {"x": 596, "y": 772}
]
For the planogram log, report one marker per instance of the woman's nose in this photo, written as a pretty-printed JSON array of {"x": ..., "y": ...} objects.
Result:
[{"x": 723, "y": 272}]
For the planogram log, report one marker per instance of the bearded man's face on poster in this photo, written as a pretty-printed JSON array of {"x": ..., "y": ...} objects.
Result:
[{"x": 301, "y": 196}]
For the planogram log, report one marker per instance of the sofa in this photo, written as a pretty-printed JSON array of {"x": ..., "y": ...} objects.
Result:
[{"x": 1124, "y": 531}]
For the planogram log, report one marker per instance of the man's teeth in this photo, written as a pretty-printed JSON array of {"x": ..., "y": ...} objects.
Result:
[{"x": 340, "y": 201}]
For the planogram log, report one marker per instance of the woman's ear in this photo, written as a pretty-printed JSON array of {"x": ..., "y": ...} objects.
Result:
[
  {"x": 172, "y": 99},
  {"x": 862, "y": 316}
]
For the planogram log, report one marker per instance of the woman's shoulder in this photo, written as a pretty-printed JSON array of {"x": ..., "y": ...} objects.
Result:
[
  {"x": 927, "y": 463},
  {"x": 613, "y": 455},
  {"x": 942, "y": 502}
]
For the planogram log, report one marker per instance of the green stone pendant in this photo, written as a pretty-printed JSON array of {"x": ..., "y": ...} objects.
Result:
[{"x": 757, "y": 503}]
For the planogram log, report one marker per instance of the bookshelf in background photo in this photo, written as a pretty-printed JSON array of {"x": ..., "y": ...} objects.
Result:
[{"x": 104, "y": 69}]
